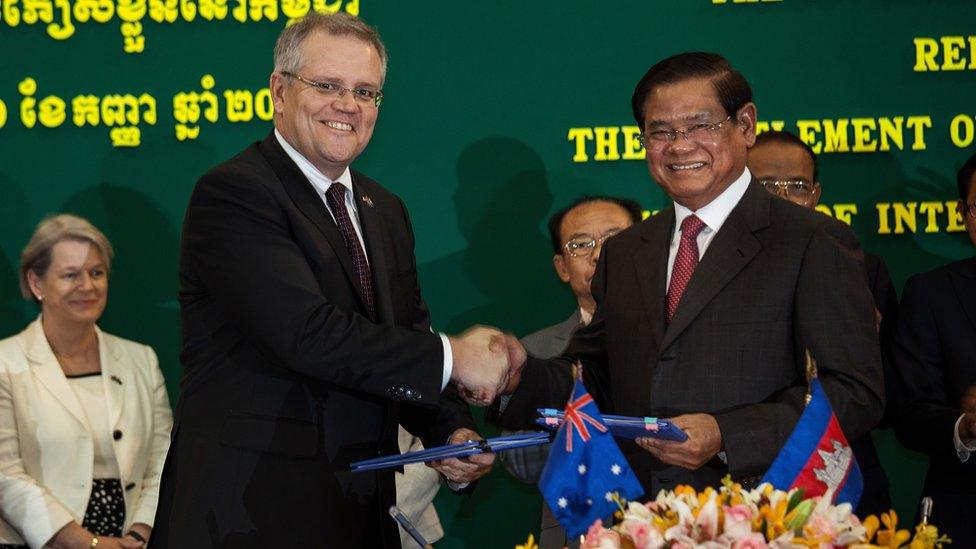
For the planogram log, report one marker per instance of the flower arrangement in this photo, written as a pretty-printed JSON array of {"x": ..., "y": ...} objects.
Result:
[{"x": 763, "y": 517}]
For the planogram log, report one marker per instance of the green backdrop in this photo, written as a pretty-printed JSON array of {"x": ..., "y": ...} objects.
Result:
[{"x": 496, "y": 114}]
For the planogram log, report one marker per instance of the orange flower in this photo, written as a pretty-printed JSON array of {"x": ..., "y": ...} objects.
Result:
[{"x": 891, "y": 537}]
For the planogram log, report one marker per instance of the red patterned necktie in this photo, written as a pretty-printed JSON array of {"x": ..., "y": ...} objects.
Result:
[
  {"x": 336, "y": 197},
  {"x": 685, "y": 261}
]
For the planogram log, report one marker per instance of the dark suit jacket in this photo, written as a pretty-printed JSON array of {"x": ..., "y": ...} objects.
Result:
[
  {"x": 775, "y": 280},
  {"x": 934, "y": 354},
  {"x": 287, "y": 380}
]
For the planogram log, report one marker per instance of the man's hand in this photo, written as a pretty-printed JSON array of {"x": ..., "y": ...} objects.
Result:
[
  {"x": 467, "y": 469},
  {"x": 516, "y": 359},
  {"x": 704, "y": 442},
  {"x": 480, "y": 367}
]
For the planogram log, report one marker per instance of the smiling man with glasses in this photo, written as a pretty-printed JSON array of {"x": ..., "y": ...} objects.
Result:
[
  {"x": 305, "y": 337},
  {"x": 705, "y": 310}
]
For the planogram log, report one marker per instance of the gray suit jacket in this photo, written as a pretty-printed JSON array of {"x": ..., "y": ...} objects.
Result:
[{"x": 776, "y": 280}]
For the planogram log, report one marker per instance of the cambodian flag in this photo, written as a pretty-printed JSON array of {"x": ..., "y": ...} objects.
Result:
[
  {"x": 585, "y": 468},
  {"x": 817, "y": 456}
]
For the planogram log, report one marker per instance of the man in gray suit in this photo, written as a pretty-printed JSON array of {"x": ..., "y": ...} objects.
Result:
[
  {"x": 705, "y": 311},
  {"x": 577, "y": 233}
]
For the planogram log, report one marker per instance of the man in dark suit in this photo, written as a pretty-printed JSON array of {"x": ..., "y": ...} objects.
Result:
[
  {"x": 577, "y": 233},
  {"x": 305, "y": 337},
  {"x": 934, "y": 354},
  {"x": 787, "y": 167},
  {"x": 705, "y": 310}
]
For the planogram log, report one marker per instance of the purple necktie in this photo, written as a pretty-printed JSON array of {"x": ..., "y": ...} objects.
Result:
[
  {"x": 685, "y": 261},
  {"x": 336, "y": 197}
]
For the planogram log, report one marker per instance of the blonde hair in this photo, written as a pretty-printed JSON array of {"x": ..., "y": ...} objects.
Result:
[{"x": 36, "y": 256}]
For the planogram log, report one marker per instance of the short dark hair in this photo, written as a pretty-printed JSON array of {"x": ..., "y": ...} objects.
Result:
[
  {"x": 965, "y": 177},
  {"x": 731, "y": 87},
  {"x": 787, "y": 138},
  {"x": 630, "y": 206}
]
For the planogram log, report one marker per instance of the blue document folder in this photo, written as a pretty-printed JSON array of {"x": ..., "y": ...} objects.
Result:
[
  {"x": 464, "y": 449},
  {"x": 627, "y": 427}
]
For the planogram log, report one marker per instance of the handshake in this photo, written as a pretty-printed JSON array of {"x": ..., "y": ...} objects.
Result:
[{"x": 487, "y": 363}]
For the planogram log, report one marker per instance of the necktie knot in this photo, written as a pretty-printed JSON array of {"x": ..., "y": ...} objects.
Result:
[
  {"x": 337, "y": 191},
  {"x": 691, "y": 226}
]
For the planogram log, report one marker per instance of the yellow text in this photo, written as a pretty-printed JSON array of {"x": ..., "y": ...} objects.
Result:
[
  {"x": 927, "y": 216},
  {"x": 61, "y": 16},
  {"x": 948, "y": 53},
  {"x": 861, "y": 135}
]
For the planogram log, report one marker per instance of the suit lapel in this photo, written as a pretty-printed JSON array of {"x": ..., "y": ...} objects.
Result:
[
  {"x": 46, "y": 369},
  {"x": 651, "y": 265},
  {"x": 308, "y": 201},
  {"x": 376, "y": 245},
  {"x": 114, "y": 377},
  {"x": 730, "y": 250},
  {"x": 964, "y": 282}
]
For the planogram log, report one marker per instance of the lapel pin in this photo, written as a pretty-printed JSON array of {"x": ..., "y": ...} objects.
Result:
[
  {"x": 116, "y": 379},
  {"x": 367, "y": 200}
]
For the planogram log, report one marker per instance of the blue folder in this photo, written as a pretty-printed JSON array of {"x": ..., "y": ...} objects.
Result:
[
  {"x": 464, "y": 449},
  {"x": 625, "y": 427}
]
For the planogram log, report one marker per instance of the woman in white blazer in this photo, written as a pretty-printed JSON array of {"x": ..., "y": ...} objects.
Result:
[{"x": 84, "y": 415}]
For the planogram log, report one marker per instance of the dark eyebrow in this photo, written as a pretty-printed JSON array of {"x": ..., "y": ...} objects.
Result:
[{"x": 702, "y": 116}]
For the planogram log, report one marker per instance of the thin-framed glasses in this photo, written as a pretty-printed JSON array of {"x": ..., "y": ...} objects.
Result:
[
  {"x": 695, "y": 132},
  {"x": 790, "y": 187},
  {"x": 583, "y": 246},
  {"x": 331, "y": 89}
]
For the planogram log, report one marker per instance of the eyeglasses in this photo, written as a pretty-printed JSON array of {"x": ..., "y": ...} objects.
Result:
[
  {"x": 331, "y": 89},
  {"x": 696, "y": 132},
  {"x": 791, "y": 187},
  {"x": 583, "y": 246},
  {"x": 970, "y": 209}
]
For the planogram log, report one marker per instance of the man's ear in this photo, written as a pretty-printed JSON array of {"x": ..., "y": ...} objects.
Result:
[
  {"x": 746, "y": 120},
  {"x": 559, "y": 262},
  {"x": 277, "y": 83},
  {"x": 816, "y": 194}
]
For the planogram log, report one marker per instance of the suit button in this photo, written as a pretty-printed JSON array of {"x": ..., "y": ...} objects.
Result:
[{"x": 116, "y": 434}]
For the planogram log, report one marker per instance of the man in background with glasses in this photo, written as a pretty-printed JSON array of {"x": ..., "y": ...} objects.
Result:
[
  {"x": 305, "y": 336},
  {"x": 577, "y": 233},
  {"x": 934, "y": 355},
  {"x": 704, "y": 311},
  {"x": 787, "y": 167}
]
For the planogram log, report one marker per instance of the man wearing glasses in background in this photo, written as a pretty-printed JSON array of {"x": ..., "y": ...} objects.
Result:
[
  {"x": 787, "y": 167},
  {"x": 934, "y": 354},
  {"x": 577, "y": 233},
  {"x": 305, "y": 337},
  {"x": 704, "y": 311}
]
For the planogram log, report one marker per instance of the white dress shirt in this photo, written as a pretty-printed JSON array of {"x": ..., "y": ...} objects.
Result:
[
  {"x": 322, "y": 184},
  {"x": 712, "y": 214}
]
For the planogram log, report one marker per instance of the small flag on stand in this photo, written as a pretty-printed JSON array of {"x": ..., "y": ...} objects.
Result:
[
  {"x": 817, "y": 456},
  {"x": 585, "y": 469}
]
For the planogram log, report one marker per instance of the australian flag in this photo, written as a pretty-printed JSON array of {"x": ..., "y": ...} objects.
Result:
[
  {"x": 817, "y": 456},
  {"x": 585, "y": 468}
]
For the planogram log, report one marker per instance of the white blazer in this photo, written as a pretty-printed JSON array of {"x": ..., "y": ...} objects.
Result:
[{"x": 46, "y": 452}]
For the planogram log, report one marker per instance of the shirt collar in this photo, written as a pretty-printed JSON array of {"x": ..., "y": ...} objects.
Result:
[
  {"x": 717, "y": 211},
  {"x": 318, "y": 179}
]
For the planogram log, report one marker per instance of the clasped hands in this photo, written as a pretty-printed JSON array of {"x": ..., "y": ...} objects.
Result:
[{"x": 487, "y": 363}]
